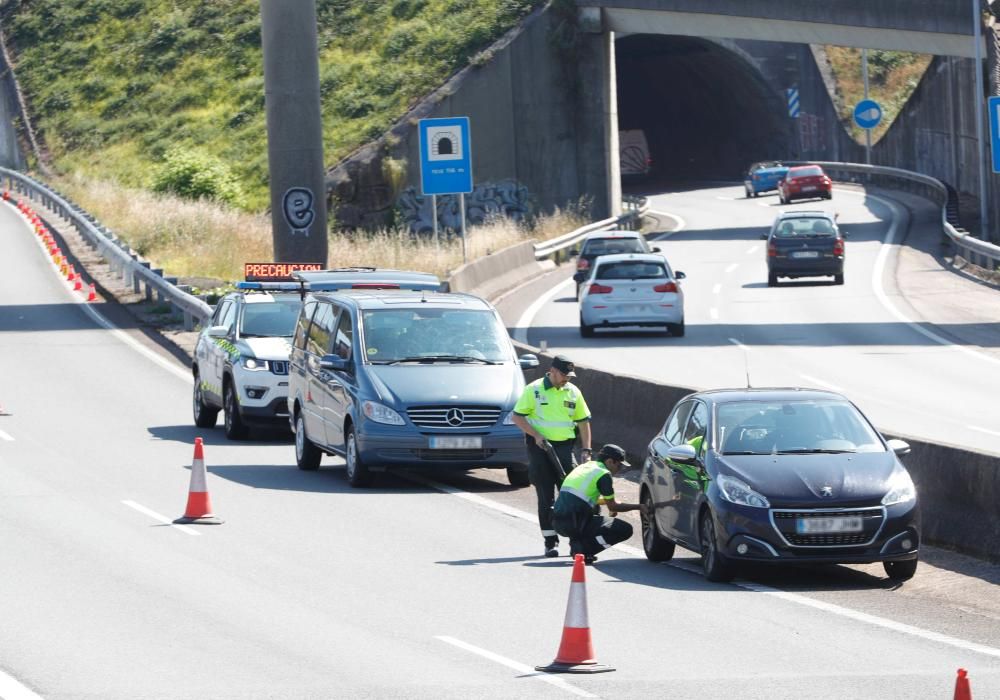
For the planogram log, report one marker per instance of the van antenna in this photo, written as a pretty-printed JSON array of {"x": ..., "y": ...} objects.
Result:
[{"x": 746, "y": 366}]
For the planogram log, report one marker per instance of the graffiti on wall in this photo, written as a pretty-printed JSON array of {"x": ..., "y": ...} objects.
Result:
[
  {"x": 812, "y": 132},
  {"x": 506, "y": 198}
]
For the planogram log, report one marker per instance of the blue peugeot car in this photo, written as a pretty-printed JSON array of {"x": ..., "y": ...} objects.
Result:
[
  {"x": 763, "y": 177},
  {"x": 405, "y": 377}
]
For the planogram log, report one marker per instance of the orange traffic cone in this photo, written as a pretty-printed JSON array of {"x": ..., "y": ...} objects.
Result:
[
  {"x": 92, "y": 294},
  {"x": 199, "y": 505},
  {"x": 576, "y": 653},
  {"x": 962, "y": 690}
]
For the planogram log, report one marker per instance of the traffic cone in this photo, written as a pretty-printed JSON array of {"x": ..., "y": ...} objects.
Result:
[
  {"x": 92, "y": 295},
  {"x": 962, "y": 690},
  {"x": 576, "y": 653},
  {"x": 199, "y": 505}
]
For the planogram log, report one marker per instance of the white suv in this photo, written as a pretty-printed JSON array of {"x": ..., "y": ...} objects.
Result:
[{"x": 241, "y": 359}]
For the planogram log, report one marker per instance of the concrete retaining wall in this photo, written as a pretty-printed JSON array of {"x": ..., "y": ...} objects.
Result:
[
  {"x": 959, "y": 489},
  {"x": 491, "y": 276}
]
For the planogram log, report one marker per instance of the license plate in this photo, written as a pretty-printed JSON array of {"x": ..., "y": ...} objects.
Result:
[
  {"x": 805, "y": 254},
  {"x": 809, "y": 188},
  {"x": 813, "y": 526},
  {"x": 451, "y": 442}
]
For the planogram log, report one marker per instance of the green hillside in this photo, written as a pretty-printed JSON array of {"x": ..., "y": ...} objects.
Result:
[{"x": 117, "y": 86}]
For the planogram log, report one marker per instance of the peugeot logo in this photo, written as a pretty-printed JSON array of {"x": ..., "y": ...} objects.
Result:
[
  {"x": 826, "y": 492},
  {"x": 455, "y": 417}
]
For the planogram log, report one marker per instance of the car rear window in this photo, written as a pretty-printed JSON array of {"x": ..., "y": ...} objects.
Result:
[
  {"x": 803, "y": 227},
  {"x": 806, "y": 172},
  {"x": 275, "y": 319},
  {"x": 631, "y": 270},
  {"x": 613, "y": 246}
]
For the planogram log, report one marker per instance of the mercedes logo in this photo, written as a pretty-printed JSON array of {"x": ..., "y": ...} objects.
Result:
[
  {"x": 826, "y": 491},
  {"x": 455, "y": 417}
]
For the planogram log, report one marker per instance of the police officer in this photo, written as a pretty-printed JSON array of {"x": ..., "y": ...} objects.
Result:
[
  {"x": 550, "y": 409},
  {"x": 577, "y": 511}
]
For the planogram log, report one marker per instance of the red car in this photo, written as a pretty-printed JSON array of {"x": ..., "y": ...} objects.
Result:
[{"x": 805, "y": 182}]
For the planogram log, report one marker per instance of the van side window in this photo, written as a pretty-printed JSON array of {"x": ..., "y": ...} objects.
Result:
[
  {"x": 343, "y": 339},
  {"x": 302, "y": 325},
  {"x": 321, "y": 329}
]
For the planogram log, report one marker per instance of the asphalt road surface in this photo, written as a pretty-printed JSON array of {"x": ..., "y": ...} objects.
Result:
[{"x": 426, "y": 586}]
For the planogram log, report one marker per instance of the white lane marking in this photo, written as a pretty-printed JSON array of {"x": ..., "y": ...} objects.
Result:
[
  {"x": 528, "y": 317},
  {"x": 716, "y": 288},
  {"x": 161, "y": 518},
  {"x": 81, "y": 301},
  {"x": 11, "y": 689},
  {"x": 681, "y": 224},
  {"x": 714, "y": 313},
  {"x": 820, "y": 382},
  {"x": 983, "y": 430},
  {"x": 730, "y": 268},
  {"x": 753, "y": 250},
  {"x": 517, "y": 666},
  {"x": 6, "y": 436},
  {"x": 878, "y": 284},
  {"x": 764, "y": 204},
  {"x": 738, "y": 343}
]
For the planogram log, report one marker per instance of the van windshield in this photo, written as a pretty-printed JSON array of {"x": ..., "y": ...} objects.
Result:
[
  {"x": 271, "y": 320},
  {"x": 395, "y": 335}
]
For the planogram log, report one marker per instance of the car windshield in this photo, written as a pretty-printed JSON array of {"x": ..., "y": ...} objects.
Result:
[
  {"x": 612, "y": 246},
  {"x": 806, "y": 172},
  {"x": 804, "y": 227},
  {"x": 631, "y": 270},
  {"x": 452, "y": 335},
  {"x": 793, "y": 427},
  {"x": 271, "y": 319}
]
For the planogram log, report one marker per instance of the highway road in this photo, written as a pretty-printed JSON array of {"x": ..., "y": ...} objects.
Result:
[
  {"x": 428, "y": 586},
  {"x": 915, "y": 346}
]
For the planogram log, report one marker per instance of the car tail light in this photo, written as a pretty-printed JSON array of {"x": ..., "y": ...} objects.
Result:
[
  {"x": 838, "y": 246},
  {"x": 599, "y": 289},
  {"x": 582, "y": 264},
  {"x": 663, "y": 288},
  {"x": 772, "y": 250}
]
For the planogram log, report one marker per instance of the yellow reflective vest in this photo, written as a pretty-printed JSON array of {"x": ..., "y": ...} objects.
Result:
[{"x": 553, "y": 412}]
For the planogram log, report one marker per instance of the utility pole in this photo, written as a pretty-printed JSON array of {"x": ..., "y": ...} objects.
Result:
[
  {"x": 294, "y": 130},
  {"x": 977, "y": 21},
  {"x": 868, "y": 132}
]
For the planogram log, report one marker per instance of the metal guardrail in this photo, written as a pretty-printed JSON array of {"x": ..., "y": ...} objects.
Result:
[
  {"x": 975, "y": 250},
  {"x": 635, "y": 208},
  {"x": 122, "y": 259}
]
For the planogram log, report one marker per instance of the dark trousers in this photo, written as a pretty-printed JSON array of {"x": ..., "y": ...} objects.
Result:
[
  {"x": 592, "y": 534},
  {"x": 543, "y": 478}
]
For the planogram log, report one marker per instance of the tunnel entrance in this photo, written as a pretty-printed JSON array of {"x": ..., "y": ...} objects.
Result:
[{"x": 704, "y": 111}]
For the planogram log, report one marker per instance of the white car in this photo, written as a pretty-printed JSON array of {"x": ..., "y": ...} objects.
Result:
[
  {"x": 241, "y": 360},
  {"x": 637, "y": 289}
]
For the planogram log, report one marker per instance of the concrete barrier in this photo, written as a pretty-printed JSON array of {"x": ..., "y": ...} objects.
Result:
[
  {"x": 959, "y": 489},
  {"x": 494, "y": 274}
]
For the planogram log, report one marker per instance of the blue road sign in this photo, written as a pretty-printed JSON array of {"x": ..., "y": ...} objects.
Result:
[
  {"x": 995, "y": 132},
  {"x": 445, "y": 156},
  {"x": 793, "y": 102},
  {"x": 867, "y": 114}
]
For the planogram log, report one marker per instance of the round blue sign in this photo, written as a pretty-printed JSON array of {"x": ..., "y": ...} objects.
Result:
[{"x": 867, "y": 114}]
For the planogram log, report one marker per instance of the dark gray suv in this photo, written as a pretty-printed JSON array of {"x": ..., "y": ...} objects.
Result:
[{"x": 398, "y": 378}]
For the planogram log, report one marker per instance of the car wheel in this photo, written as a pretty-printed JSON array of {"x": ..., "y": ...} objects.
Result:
[
  {"x": 747, "y": 193},
  {"x": 307, "y": 455},
  {"x": 676, "y": 329},
  {"x": 838, "y": 279},
  {"x": 657, "y": 547},
  {"x": 830, "y": 195},
  {"x": 204, "y": 415},
  {"x": 235, "y": 429},
  {"x": 518, "y": 477},
  {"x": 756, "y": 194},
  {"x": 585, "y": 330},
  {"x": 772, "y": 279},
  {"x": 358, "y": 474},
  {"x": 579, "y": 285},
  {"x": 781, "y": 199},
  {"x": 900, "y": 570},
  {"x": 716, "y": 567}
]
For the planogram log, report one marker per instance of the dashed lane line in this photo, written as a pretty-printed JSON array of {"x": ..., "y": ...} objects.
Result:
[
  {"x": 983, "y": 430},
  {"x": 6, "y": 437},
  {"x": 11, "y": 689},
  {"x": 161, "y": 518},
  {"x": 820, "y": 382},
  {"x": 730, "y": 268}
]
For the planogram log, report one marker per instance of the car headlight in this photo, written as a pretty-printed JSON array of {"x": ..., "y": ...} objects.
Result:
[
  {"x": 735, "y": 491},
  {"x": 901, "y": 489},
  {"x": 253, "y": 364},
  {"x": 381, "y": 414}
]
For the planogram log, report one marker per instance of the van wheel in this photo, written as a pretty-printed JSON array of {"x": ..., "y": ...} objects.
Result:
[
  {"x": 714, "y": 564},
  {"x": 900, "y": 570},
  {"x": 235, "y": 428},
  {"x": 657, "y": 547},
  {"x": 307, "y": 455},
  {"x": 518, "y": 477},
  {"x": 358, "y": 474},
  {"x": 204, "y": 415}
]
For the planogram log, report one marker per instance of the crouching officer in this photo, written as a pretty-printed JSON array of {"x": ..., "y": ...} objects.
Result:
[
  {"x": 550, "y": 409},
  {"x": 577, "y": 514}
]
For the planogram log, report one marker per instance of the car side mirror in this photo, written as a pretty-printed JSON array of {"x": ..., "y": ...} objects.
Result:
[
  {"x": 656, "y": 249},
  {"x": 679, "y": 275},
  {"x": 528, "y": 361},
  {"x": 573, "y": 252},
  {"x": 685, "y": 454},
  {"x": 900, "y": 447},
  {"x": 844, "y": 234},
  {"x": 763, "y": 236},
  {"x": 334, "y": 362},
  {"x": 217, "y": 331}
]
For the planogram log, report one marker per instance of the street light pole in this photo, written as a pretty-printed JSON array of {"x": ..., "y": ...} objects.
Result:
[
  {"x": 868, "y": 132},
  {"x": 977, "y": 21}
]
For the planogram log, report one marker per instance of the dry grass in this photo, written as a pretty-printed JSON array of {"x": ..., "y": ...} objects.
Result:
[{"x": 205, "y": 239}]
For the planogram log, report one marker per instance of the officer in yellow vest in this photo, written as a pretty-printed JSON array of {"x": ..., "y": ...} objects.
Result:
[
  {"x": 552, "y": 408},
  {"x": 576, "y": 514}
]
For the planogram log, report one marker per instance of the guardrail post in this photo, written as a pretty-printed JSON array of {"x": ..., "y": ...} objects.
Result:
[
  {"x": 158, "y": 271},
  {"x": 173, "y": 281},
  {"x": 188, "y": 321}
]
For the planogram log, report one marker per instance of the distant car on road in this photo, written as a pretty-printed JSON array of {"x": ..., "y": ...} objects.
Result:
[
  {"x": 637, "y": 289},
  {"x": 804, "y": 244},
  {"x": 606, "y": 243},
  {"x": 805, "y": 182},
  {"x": 763, "y": 177},
  {"x": 778, "y": 476}
]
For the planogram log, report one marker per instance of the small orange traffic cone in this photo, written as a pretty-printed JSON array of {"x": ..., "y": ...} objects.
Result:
[
  {"x": 576, "y": 653},
  {"x": 92, "y": 294},
  {"x": 199, "y": 505},
  {"x": 962, "y": 690}
]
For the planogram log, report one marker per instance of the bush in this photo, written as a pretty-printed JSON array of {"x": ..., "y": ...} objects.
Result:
[{"x": 197, "y": 176}]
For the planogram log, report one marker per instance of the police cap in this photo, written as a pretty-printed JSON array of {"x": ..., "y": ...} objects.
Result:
[{"x": 614, "y": 452}]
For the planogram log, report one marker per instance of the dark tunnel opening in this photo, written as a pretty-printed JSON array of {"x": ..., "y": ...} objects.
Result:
[{"x": 705, "y": 112}]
